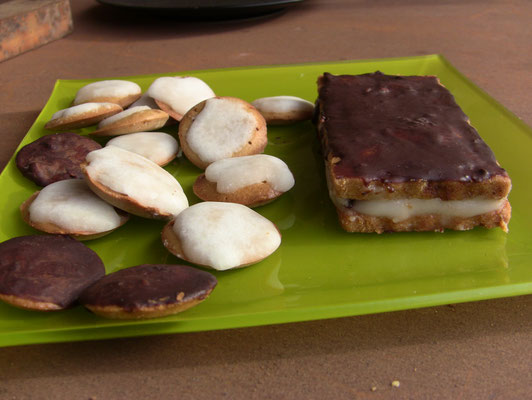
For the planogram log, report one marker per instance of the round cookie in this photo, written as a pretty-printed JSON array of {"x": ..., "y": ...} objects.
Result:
[
  {"x": 221, "y": 236},
  {"x": 280, "y": 110},
  {"x": 82, "y": 115},
  {"x": 69, "y": 207},
  {"x": 148, "y": 291},
  {"x": 178, "y": 94},
  {"x": 145, "y": 100},
  {"x": 159, "y": 147},
  {"x": 250, "y": 180},
  {"x": 46, "y": 273},
  {"x": 54, "y": 157},
  {"x": 221, "y": 127},
  {"x": 133, "y": 183},
  {"x": 115, "y": 91},
  {"x": 136, "y": 119}
]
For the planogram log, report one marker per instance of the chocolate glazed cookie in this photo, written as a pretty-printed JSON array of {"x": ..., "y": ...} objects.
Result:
[
  {"x": 148, "y": 291},
  {"x": 46, "y": 272},
  {"x": 54, "y": 158}
]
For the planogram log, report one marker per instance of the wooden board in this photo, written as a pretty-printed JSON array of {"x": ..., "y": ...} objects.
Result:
[{"x": 27, "y": 24}]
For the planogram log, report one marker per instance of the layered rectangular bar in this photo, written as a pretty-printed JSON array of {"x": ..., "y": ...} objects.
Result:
[{"x": 400, "y": 155}]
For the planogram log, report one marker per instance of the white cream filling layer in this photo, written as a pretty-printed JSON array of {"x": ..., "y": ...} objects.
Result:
[{"x": 402, "y": 209}]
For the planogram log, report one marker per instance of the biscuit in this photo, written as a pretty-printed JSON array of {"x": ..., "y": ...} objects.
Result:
[
  {"x": 177, "y": 94},
  {"x": 46, "y": 273},
  {"x": 116, "y": 91},
  {"x": 221, "y": 236},
  {"x": 133, "y": 183},
  {"x": 159, "y": 147},
  {"x": 69, "y": 207},
  {"x": 401, "y": 155},
  {"x": 221, "y": 127},
  {"x": 148, "y": 291},
  {"x": 280, "y": 110},
  {"x": 81, "y": 115},
  {"x": 136, "y": 119},
  {"x": 54, "y": 157},
  {"x": 249, "y": 180}
]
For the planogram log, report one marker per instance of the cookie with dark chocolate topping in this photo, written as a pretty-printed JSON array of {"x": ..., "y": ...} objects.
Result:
[
  {"x": 46, "y": 273},
  {"x": 55, "y": 157},
  {"x": 148, "y": 291}
]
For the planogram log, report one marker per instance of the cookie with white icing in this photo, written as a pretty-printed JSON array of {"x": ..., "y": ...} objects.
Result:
[
  {"x": 145, "y": 100},
  {"x": 148, "y": 291},
  {"x": 250, "y": 180},
  {"x": 136, "y": 119},
  {"x": 116, "y": 91},
  {"x": 221, "y": 236},
  {"x": 221, "y": 127},
  {"x": 82, "y": 115},
  {"x": 279, "y": 110},
  {"x": 159, "y": 147},
  {"x": 133, "y": 183},
  {"x": 69, "y": 207},
  {"x": 178, "y": 94}
]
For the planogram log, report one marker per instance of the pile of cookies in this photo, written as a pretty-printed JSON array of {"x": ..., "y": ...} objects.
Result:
[{"x": 89, "y": 191}]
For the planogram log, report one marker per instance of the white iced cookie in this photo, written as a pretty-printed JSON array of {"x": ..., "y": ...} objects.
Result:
[
  {"x": 69, "y": 207},
  {"x": 136, "y": 119},
  {"x": 178, "y": 94},
  {"x": 221, "y": 235},
  {"x": 133, "y": 183},
  {"x": 159, "y": 147},
  {"x": 221, "y": 127},
  {"x": 82, "y": 115},
  {"x": 145, "y": 100},
  {"x": 279, "y": 110},
  {"x": 250, "y": 180},
  {"x": 120, "y": 92}
]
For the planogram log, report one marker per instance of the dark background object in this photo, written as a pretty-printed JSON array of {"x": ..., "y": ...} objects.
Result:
[{"x": 206, "y": 9}]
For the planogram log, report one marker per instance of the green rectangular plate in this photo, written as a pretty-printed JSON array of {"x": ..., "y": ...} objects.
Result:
[{"x": 319, "y": 271}]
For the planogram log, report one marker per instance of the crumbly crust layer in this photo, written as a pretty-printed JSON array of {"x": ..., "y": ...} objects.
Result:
[{"x": 496, "y": 187}]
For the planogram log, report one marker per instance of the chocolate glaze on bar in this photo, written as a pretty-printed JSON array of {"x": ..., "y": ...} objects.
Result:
[
  {"x": 150, "y": 285},
  {"x": 397, "y": 129},
  {"x": 52, "y": 269}
]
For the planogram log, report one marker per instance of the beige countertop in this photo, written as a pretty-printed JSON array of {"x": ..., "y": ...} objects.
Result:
[{"x": 463, "y": 351}]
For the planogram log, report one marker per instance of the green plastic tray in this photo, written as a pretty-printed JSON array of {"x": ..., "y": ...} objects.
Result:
[{"x": 319, "y": 271}]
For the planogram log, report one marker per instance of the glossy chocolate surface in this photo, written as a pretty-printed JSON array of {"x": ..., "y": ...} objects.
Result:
[
  {"x": 53, "y": 269},
  {"x": 397, "y": 129},
  {"x": 150, "y": 285},
  {"x": 55, "y": 157}
]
